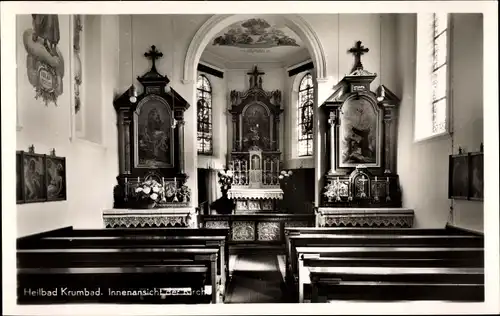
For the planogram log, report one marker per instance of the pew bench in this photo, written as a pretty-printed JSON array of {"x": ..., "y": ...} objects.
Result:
[
  {"x": 396, "y": 284},
  {"x": 341, "y": 240},
  {"x": 105, "y": 267},
  {"x": 164, "y": 237},
  {"x": 366, "y": 257}
]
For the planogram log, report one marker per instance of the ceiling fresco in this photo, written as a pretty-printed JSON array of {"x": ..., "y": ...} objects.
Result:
[{"x": 256, "y": 33}]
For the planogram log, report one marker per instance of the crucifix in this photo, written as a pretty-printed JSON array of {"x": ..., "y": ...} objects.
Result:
[
  {"x": 254, "y": 76},
  {"x": 153, "y": 54},
  {"x": 357, "y": 51}
]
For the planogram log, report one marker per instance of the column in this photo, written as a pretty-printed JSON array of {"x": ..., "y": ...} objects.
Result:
[
  {"x": 332, "y": 120},
  {"x": 121, "y": 142},
  {"x": 126, "y": 130},
  {"x": 180, "y": 131},
  {"x": 388, "y": 142}
]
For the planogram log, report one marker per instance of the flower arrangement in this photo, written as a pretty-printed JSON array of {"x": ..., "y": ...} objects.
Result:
[
  {"x": 284, "y": 176},
  {"x": 184, "y": 193},
  {"x": 149, "y": 191},
  {"x": 225, "y": 179}
]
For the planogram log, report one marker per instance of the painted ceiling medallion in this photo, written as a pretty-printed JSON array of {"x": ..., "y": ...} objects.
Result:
[{"x": 254, "y": 33}]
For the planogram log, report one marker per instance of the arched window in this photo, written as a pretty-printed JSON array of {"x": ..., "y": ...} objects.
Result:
[
  {"x": 432, "y": 75},
  {"x": 305, "y": 116},
  {"x": 204, "y": 108}
]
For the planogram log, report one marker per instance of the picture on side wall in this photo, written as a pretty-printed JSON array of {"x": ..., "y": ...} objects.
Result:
[
  {"x": 19, "y": 177},
  {"x": 458, "y": 186},
  {"x": 56, "y": 178},
  {"x": 34, "y": 185},
  {"x": 44, "y": 63},
  {"x": 476, "y": 167}
]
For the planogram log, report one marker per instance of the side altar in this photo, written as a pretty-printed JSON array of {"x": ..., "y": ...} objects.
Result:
[
  {"x": 151, "y": 189},
  {"x": 361, "y": 185},
  {"x": 255, "y": 162}
]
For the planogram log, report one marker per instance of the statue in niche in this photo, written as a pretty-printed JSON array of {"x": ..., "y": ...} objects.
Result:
[{"x": 154, "y": 136}]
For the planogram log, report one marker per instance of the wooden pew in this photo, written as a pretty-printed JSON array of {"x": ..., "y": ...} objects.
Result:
[
  {"x": 174, "y": 237},
  {"x": 381, "y": 257},
  {"x": 380, "y": 240},
  {"x": 395, "y": 284},
  {"x": 115, "y": 268}
]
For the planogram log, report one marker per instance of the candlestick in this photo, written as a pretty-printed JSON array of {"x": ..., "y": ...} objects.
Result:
[{"x": 387, "y": 179}]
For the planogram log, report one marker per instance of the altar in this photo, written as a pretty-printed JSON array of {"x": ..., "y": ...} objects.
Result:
[
  {"x": 151, "y": 188},
  {"x": 361, "y": 185}
]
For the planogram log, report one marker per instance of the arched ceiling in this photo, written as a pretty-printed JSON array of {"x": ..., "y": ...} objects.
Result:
[{"x": 259, "y": 39}]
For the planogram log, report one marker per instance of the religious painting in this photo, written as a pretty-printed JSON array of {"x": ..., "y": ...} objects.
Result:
[
  {"x": 458, "y": 177},
  {"x": 476, "y": 167},
  {"x": 19, "y": 177},
  {"x": 45, "y": 63},
  {"x": 56, "y": 178},
  {"x": 34, "y": 185},
  {"x": 256, "y": 127},
  {"x": 154, "y": 145},
  {"x": 360, "y": 133}
]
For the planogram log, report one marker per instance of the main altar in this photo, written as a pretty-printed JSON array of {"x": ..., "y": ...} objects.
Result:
[
  {"x": 255, "y": 162},
  {"x": 151, "y": 186}
]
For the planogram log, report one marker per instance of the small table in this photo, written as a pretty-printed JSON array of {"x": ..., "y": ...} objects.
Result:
[
  {"x": 364, "y": 217},
  {"x": 144, "y": 218}
]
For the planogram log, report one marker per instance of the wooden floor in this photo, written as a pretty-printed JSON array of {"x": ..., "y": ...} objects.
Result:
[{"x": 256, "y": 279}]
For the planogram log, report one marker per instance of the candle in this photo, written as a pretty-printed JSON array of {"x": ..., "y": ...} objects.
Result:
[
  {"x": 126, "y": 180},
  {"x": 387, "y": 179},
  {"x": 175, "y": 181},
  {"x": 163, "y": 182},
  {"x": 376, "y": 178},
  {"x": 138, "y": 179}
]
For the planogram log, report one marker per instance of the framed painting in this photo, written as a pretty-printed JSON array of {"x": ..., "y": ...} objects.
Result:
[
  {"x": 476, "y": 176},
  {"x": 458, "y": 180},
  {"x": 19, "y": 178},
  {"x": 56, "y": 178},
  {"x": 34, "y": 186},
  {"x": 360, "y": 133},
  {"x": 154, "y": 138}
]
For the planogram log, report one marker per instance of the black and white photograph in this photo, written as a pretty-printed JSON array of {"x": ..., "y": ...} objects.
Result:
[{"x": 275, "y": 159}]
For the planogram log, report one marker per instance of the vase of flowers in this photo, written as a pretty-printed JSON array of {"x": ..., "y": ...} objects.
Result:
[
  {"x": 184, "y": 193},
  {"x": 149, "y": 193}
]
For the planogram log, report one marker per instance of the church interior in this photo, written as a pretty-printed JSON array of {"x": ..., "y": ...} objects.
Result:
[{"x": 278, "y": 158}]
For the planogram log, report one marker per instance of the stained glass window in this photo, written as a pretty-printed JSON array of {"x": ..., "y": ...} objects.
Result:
[
  {"x": 305, "y": 116},
  {"x": 204, "y": 108},
  {"x": 439, "y": 72}
]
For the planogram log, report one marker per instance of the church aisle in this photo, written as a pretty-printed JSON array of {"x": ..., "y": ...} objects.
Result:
[{"x": 256, "y": 279}]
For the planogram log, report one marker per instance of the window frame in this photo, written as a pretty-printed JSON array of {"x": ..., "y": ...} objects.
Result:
[
  {"x": 210, "y": 120},
  {"x": 300, "y": 105},
  {"x": 424, "y": 106}
]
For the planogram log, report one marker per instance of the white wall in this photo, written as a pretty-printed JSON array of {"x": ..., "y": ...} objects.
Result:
[
  {"x": 423, "y": 166},
  {"x": 91, "y": 168}
]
